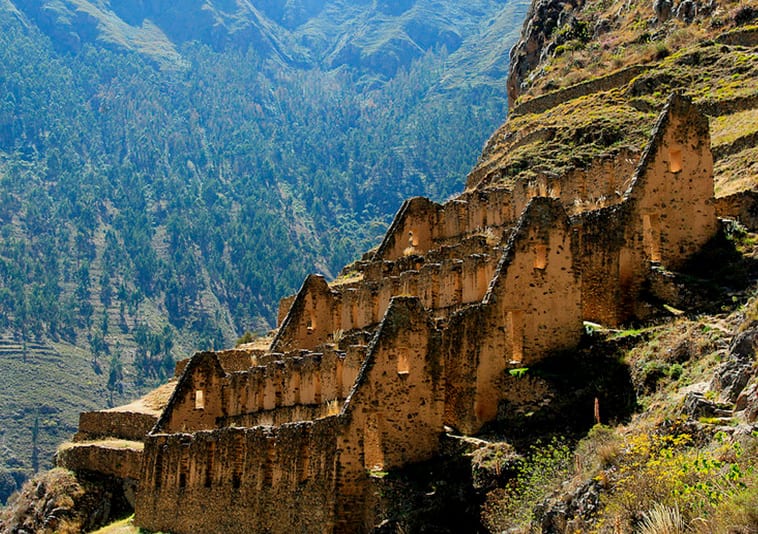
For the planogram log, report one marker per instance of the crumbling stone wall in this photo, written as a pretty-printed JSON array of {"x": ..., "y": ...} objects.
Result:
[
  {"x": 118, "y": 424},
  {"x": 533, "y": 307},
  {"x": 118, "y": 459},
  {"x": 667, "y": 215},
  {"x": 306, "y": 476},
  {"x": 241, "y": 480},
  {"x": 319, "y": 311},
  {"x": 602, "y": 184},
  {"x": 291, "y": 387},
  {"x": 742, "y": 206},
  {"x": 394, "y": 413},
  {"x": 237, "y": 457}
]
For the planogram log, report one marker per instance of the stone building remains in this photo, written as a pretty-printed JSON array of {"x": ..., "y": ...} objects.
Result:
[{"x": 365, "y": 372}]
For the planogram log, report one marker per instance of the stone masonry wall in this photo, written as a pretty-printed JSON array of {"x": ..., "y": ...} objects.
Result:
[
  {"x": 116, "y": 460},
  {"x": 319, "y": 311},
  {"x": 235, "y": 480},
  {"x": 533, "y": 307},
  {"x": 667, "y": 215},
  {"x": 124, "y": 425},
  {"x": 295, "y": 387},
  {"x": 394, "y": 413}
]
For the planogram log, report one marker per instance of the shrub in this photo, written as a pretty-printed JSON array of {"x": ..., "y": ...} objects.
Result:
[
  {"x": 598, "y": 450},
  {"x": 247, "y": 337},
  {"x": 668, "y": 472},
  {"x": 546, "y": 465},
  {"x": 745, "y": 14}
]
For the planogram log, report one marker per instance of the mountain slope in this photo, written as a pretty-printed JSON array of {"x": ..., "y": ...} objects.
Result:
[{"x": 168, "y": 171}]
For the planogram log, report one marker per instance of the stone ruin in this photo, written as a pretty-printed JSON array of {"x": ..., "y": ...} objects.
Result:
[{"x": 365, "y": 372}]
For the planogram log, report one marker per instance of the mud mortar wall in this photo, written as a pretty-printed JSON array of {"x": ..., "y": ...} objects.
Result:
[
  {"x": 447, "y": 284},
  {"x": 394, "y": 413},
  {"x": 118, "y": 461},
  {"x": 300, "y": 386},
  {"x": 673, "y": 191}
]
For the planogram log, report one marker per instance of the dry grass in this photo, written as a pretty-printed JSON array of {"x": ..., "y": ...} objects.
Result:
[
  {"x": 632, "y": 40},
  {"x": 728, "y": 128},
  {"x": 662, "y": 519},
  {"x": 736, "y": 172},
  {"x": 36, "y": 508}
]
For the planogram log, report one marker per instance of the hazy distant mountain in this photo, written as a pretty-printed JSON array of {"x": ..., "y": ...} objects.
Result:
[{"x": 375, "y": 36}]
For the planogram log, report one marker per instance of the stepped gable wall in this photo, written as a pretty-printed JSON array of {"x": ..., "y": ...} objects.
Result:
[
  {"x": 241, "y": 480},
  {"x": 315, "y": 475},
  {"x": 532, "y": 308},
  {"x": 411, "y": 229},
  {"x": 306, "y": 476},
  {"x": 297, "y": 386},
  {"x": 196, "y": 401},
  {"x": 311, "y": 318},
  {"x": 672, "y": 190},
  {"x": 394, "y": 412},
  {"x": 667, "y": 215},
  {"x": 319, "y": 312},
  {"x": 422, "y": 225}
]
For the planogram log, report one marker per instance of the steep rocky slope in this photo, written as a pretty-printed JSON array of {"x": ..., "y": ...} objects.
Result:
[{"x": 588, "y": 78}]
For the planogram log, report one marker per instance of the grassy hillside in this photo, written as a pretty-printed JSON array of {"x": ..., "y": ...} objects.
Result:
[{"x": 710, "y": 57}]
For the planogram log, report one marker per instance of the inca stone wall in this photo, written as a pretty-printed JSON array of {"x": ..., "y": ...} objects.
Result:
[{"x": 364, "y": 373}]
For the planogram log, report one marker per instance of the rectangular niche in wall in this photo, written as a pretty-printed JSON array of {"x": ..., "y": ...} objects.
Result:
[
  {"x": 675, "y": 159},
  {"x": 199, "y": 400},
  {"x": 540, "y": 256},
  {"x": 651, "y": 235},
  {"x": 515, "y": 323},
  {"x": 403, "y": 365}
]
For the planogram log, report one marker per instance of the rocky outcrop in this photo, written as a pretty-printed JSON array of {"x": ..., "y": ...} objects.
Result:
[
  {"x": 59, "y": 501},
  {"x": 733, "y": 375},
  {"x": 542, "y": 20}
]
